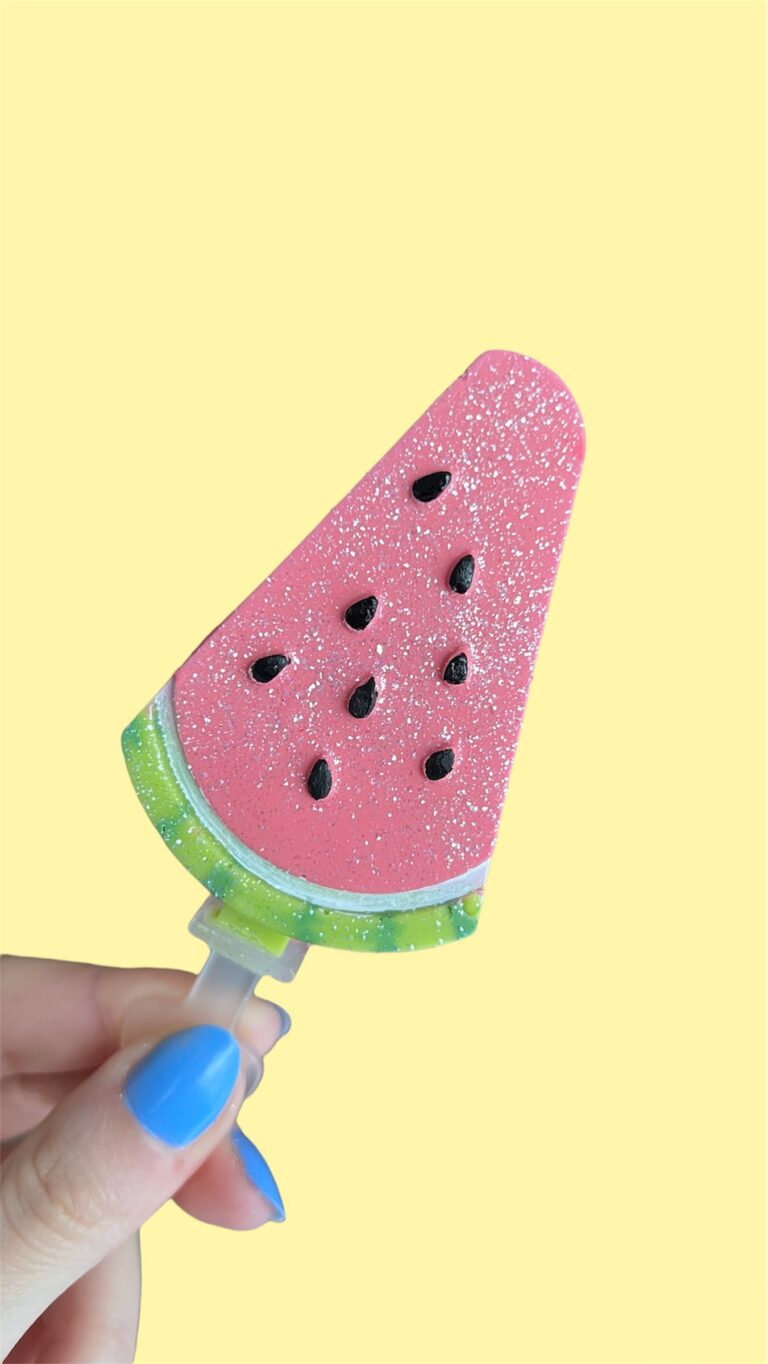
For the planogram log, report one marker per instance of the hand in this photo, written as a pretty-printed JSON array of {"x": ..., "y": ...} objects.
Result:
[{"x": 96, "y": 1137}]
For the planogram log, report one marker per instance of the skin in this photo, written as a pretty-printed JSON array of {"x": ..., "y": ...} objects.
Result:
[{"x": 79, "y": 1176}]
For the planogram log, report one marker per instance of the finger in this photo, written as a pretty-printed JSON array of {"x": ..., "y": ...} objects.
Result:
[
  {"x": 234, "y": 1187},
  {"x": 96, "y": 1321},
  {"x": 60, "y": 1015},
  {"x": 27, "y": 1099},
  {"x": 107, "y": 1157}
]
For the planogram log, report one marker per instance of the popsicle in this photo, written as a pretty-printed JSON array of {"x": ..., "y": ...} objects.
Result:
[{"x": 331, "y": 762}]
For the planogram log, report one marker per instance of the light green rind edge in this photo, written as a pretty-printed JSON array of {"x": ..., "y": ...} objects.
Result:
[{"x": 253, "y": 910}]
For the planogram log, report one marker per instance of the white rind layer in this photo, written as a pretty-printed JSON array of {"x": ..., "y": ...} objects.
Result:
[{"x": 347, "y": 901}]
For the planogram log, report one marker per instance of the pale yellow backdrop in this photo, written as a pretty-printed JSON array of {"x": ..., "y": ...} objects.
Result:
[{"x": 247, "y": 244}]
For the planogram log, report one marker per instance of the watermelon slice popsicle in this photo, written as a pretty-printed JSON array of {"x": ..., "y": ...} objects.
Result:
[{"x": 331, "y": 762}]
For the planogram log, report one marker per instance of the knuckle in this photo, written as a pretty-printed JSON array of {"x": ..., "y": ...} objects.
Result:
[{"x": 57, "y": 1199}]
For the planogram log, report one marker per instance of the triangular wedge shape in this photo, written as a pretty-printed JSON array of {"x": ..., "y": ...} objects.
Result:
[{"x": 332, "y": 761}]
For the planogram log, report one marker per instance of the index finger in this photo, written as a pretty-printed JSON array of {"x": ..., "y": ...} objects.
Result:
[{"x": 68, "y": 1016}]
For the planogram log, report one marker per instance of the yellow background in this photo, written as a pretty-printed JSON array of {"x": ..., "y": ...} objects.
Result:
[{"x": 247, "y": 245}]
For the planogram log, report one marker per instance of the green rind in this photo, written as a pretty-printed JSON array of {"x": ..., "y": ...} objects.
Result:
[{"x": 253, "y": 910}]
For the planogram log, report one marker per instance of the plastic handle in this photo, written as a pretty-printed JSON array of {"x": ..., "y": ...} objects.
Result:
[
  {"x": 221, "y": 991},
  {"x": 223, "y": 987},
  {"x": 218, "y": 995}
]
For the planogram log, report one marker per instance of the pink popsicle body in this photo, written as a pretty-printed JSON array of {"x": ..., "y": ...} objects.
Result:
[{"x": 511, "y": 437}]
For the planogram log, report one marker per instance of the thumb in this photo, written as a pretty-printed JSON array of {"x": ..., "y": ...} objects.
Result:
[{"x": 102, "y": 1162}]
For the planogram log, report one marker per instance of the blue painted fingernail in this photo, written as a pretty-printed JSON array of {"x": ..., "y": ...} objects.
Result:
[
  {"x": 182, "y": 1085},
  {"x": 258, "y": 1172},
  {"x": 286, "y": 1021}
]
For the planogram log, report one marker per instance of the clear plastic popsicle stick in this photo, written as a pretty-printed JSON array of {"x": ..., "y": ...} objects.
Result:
[
  {"x": 221, "y": 990},
  {"x": 223, "y": 987}
]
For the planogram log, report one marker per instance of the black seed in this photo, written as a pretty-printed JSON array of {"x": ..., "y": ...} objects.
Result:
[
  {"x": 363, "y": 699},
  {"x": 456, "y": 670},
  {"x": 361, "y": 613},
  {"x": 462, "y": 574},
  {"x": 429, "y": 487},
  {"x": 439, "y": 764},
  {"x": 264, "y": 669},
  {"x": 319, "y": 781}
]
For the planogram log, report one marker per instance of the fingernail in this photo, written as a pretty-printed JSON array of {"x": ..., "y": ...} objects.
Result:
[
  {"x": 182, "y": 1085},
  {"x": 286, "y": 1022},
  {"x": 254, "y": 1069},
  {"x": 258, "y": 1172}
]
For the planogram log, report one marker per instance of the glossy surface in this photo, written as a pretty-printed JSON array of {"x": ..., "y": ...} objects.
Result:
[{"x": 180, "y": 1087}]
